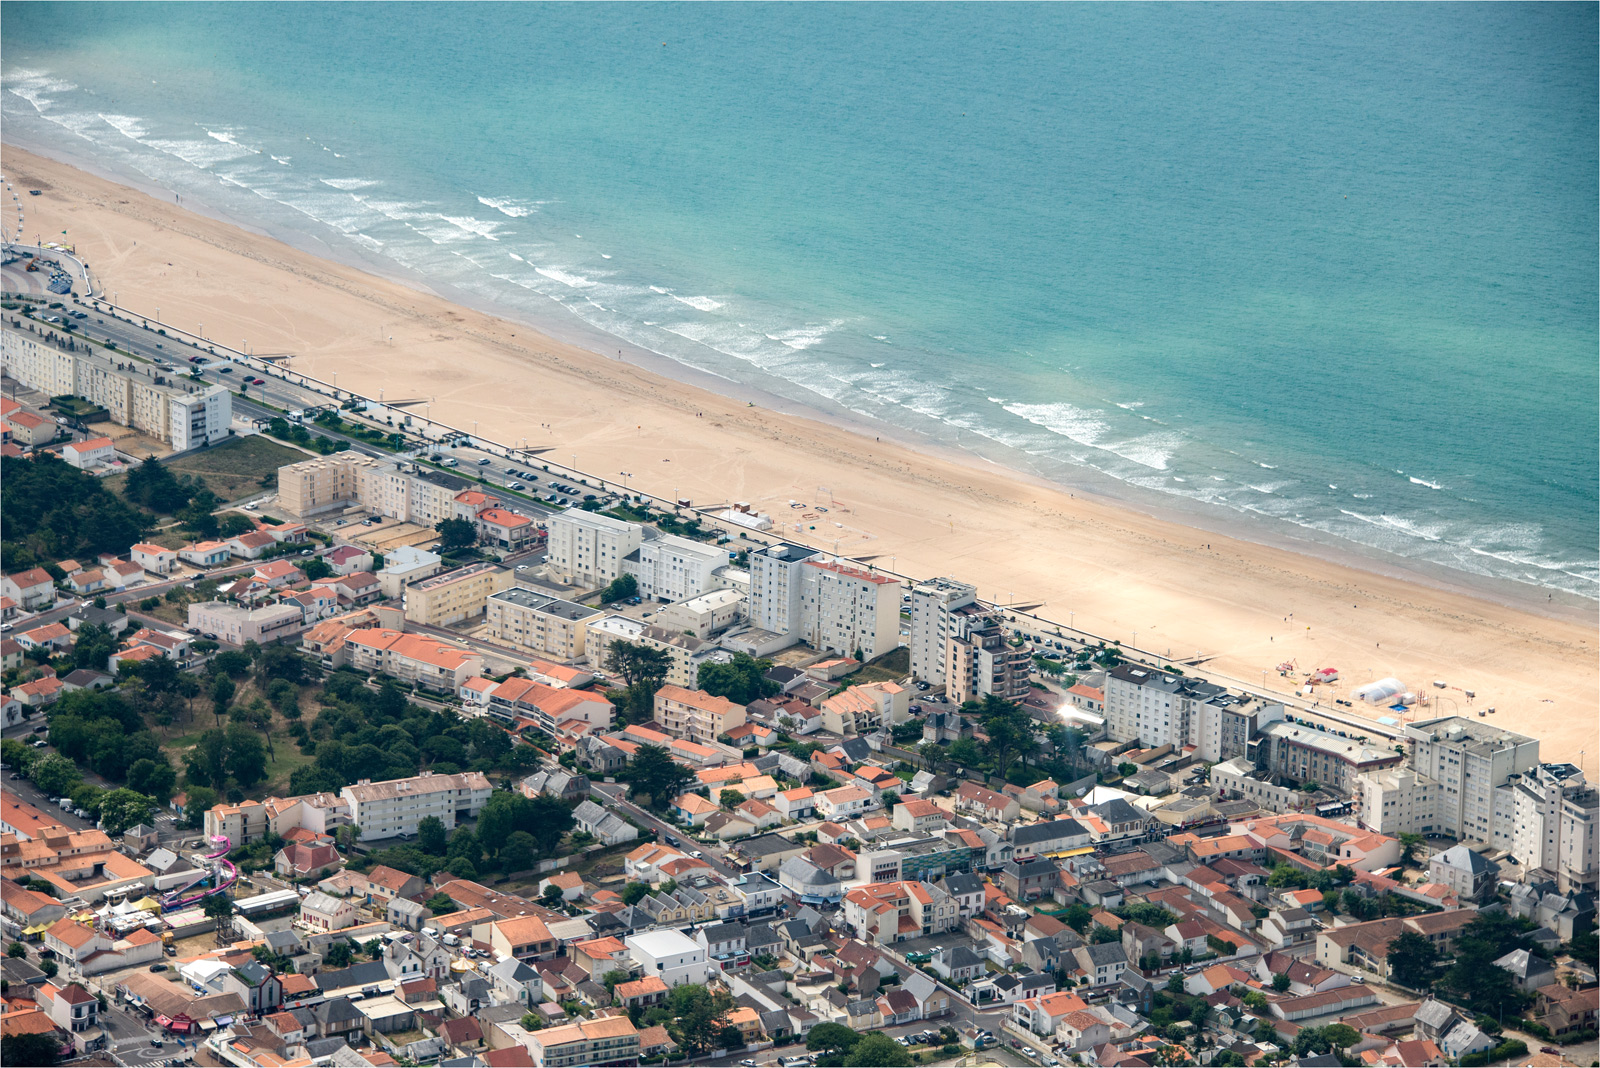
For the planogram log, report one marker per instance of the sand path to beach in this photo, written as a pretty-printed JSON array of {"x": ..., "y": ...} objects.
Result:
[{"x": 1116, "y": 570}]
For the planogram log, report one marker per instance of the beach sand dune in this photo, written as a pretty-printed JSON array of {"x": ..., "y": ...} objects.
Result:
[{"x": 1116, "y": 570}]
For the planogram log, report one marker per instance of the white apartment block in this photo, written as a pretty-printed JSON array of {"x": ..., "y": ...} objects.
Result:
[
  {"x": 1156, "y": 707},
  {"x": 236, "y": 624},
  {"x": 133, "y": 392},
  {"x": 587, "y": 549},
  {"x": 538, "y": 623},
  {"x": 980, "y": 661},
  {"x": 669, "y": 956},
  {"x": 1396, "y": 801},
  {"x": 776, "y": 586},
  {"x": 847, "y": 609},
  {"x": 1551, "y": 817},
  {"x": 669, "y": 568},
  {"x": 385, "y": 809},
  {"x": 1468, "y": 761},
  {"x": 932, "y": 602}
]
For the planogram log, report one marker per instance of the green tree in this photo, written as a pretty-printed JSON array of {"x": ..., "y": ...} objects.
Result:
[
  {"x": 634, "y": 893},
  {"x": 222, "y": 690},
  {"x": 55, "y": 775},
  {"x": 439, "y": 904},
  {"x": 93, "y": 647},
  {"x": 339, "y": 955},
  {"x": 1280, "y": 982},
  {"x": 456, "y": 534},
  {"x": 247, "y": 758},
  {"x": 878, "y": 1051},
  {"x": 612, "y": 978},
  {"x": 830, "y": 1038},
  {"x": 730, "y": 799},
  {"x": 519, "y": 852},
  {"x": 699, "y": 1016},
  {"x": 740, "y": 680},
  {"x": 620, "y": 589},
  {"x": 1413, "y": 960},
  {"x": 1077, "y": 917},
  {"x": 431, "y": 836},
  {"x": 16, "y": 949},
  {"x": 653, "y": 772},
  {"x": 219, "y": 907},
  {"x": 39, "y": 1050},
  {"x": 123, "y": 808},
  {"x": 1410, "y": 842}
]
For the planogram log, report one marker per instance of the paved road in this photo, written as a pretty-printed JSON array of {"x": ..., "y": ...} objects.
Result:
[{"x": 610, "y": 794}]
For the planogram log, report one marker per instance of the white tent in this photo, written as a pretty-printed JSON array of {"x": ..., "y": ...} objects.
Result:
[{"x": 1379, "y": 692}]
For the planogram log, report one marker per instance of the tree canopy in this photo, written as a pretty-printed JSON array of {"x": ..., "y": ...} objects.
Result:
[
  {"x": 740, "y": 680},
  {"x": 54, "y": 511}
]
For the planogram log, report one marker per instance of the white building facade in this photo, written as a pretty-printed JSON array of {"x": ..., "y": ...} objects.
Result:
[
  {"x": 587, "y": 549},
  {"x": 932, "y": 603}
]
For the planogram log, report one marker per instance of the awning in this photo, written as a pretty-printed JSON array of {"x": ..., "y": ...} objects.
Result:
[{"x": 38, "y": 928}]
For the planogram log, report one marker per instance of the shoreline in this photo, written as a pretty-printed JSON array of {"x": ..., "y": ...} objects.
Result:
[
  {"x": 563, "y": 326},
  {"x": 1115, "y": 562}
]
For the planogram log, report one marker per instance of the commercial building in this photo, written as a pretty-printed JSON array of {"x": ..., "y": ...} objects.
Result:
[
  {"x": 669, "y": 956},
  {"x": 451, "y": 596},
  {"x": 979, "y": 660},
  {"x": 1308, "y": 755},
  {"x": 705, "y": 615},
  {"x": 134, "y": 393},
  {"x": 588, "y": 549},
  {"x": 539, "y": 623},
  {"x": 236, "y": 624},
  {"x": 385, "y": 809},
  {"x": 932, "y": 602}
]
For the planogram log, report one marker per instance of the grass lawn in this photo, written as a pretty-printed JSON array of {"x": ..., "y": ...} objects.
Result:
[
  {"x": 231, "y": 470},
  {"x": 890, "y": 667}
]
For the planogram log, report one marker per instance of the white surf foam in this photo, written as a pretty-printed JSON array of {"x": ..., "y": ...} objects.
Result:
[
  {"x": 516, "y": 209},
  {"x": 1415, "y": 481},
  {"x": 566, "y": 278},
  {"x": 348, "y": 184}
]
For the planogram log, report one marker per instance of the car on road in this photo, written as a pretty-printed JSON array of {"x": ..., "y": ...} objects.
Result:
[
  {"x": 158, "y": 967},
  {"x": 483, "y": 462},
  {"x": 514, "y": 485},
  {"x": 671, "y": 841},
  {"x": 220, "y": 370},
  {"x": 258, "y": 381},
  {"x": 696, "y": 854}
]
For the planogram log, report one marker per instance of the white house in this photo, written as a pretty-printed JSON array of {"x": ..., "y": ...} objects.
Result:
[{"x": 668, "y": 955}]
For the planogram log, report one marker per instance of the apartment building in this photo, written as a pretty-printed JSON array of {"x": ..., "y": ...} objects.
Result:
[
  {"x": 776, "y": 585},
  {"x": 848, "y": 609},
  {"x": 237, "y": 624},
  {"x": 539, "y": 623},
  {"x": 932, "y": 603},
  {"x": 687, "y": 653},
  {"x": 865, "y": 708},
  {"x": 1469, "y": 761},
  {"x": 1551, "y": 823},
  {"x": 979, "y": 660},
  {"x": 1396, "y": 801},
  {"x": 133, "y": 392},
  {"x": 896, "y": 911},
  {"x": 403, "y": 491},
  {"x": 588, "y": 549},
  {"x": 405, "y": 565},
  {"x": 451, "y": 596},
  {"x": 609, "y": 1040},
  {"x": 670, "y": 568},
  {"x": 414, "y": 658},
  {"x": 321, "y": 484},
  {"x": 692, "y": 714},
  {"x": 385, "y": 809},
  {"x": 1155, "y": 707},
  {"x": 1308, "y": 755}
]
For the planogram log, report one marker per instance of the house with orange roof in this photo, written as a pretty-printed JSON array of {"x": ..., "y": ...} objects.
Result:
[
  {"x": 796, "y": 804},
  {"x": 920, "y": 816},
  {"x": 644, "y": 863},
  {"x": 90, "y": 581},
  {"x": 56, "y": 637},
  {"x": 205, "y": 553},
  {"x": 154, "y": 559},
  {"x": 40, "y": 692},
  {"x": 506, "y": 529},
  {"x": 985, "y": 803},
  {"x": 279, "y": 573},
  {"x": 31, "y": 429},
  {"x": 694, "y": 809},
  {"x": 526, "y": 938},
  {"x": 694, "y": 714},
  {"x": 842, "y": 803},
  {"x": 760, "y": 814},
  {"x": 32, "y": 589},
  {"x": 1043, "y": 1014},
  {"x": 250, "y": 545},
  {"x": 347, "y": 559},
  {"x": 326, "y": 640}
]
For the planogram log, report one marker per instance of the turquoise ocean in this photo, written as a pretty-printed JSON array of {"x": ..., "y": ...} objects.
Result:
[{"x": 1326, "y": 273}]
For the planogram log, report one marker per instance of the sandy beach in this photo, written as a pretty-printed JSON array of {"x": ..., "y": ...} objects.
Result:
[{"x": 1109, "y": 568}]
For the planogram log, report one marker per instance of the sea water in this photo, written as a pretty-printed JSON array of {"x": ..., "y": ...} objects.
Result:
[{"x": 1329, "y": 266}]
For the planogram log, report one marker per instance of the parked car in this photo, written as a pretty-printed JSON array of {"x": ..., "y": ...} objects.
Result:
[{"x": 483, "y": 462}]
